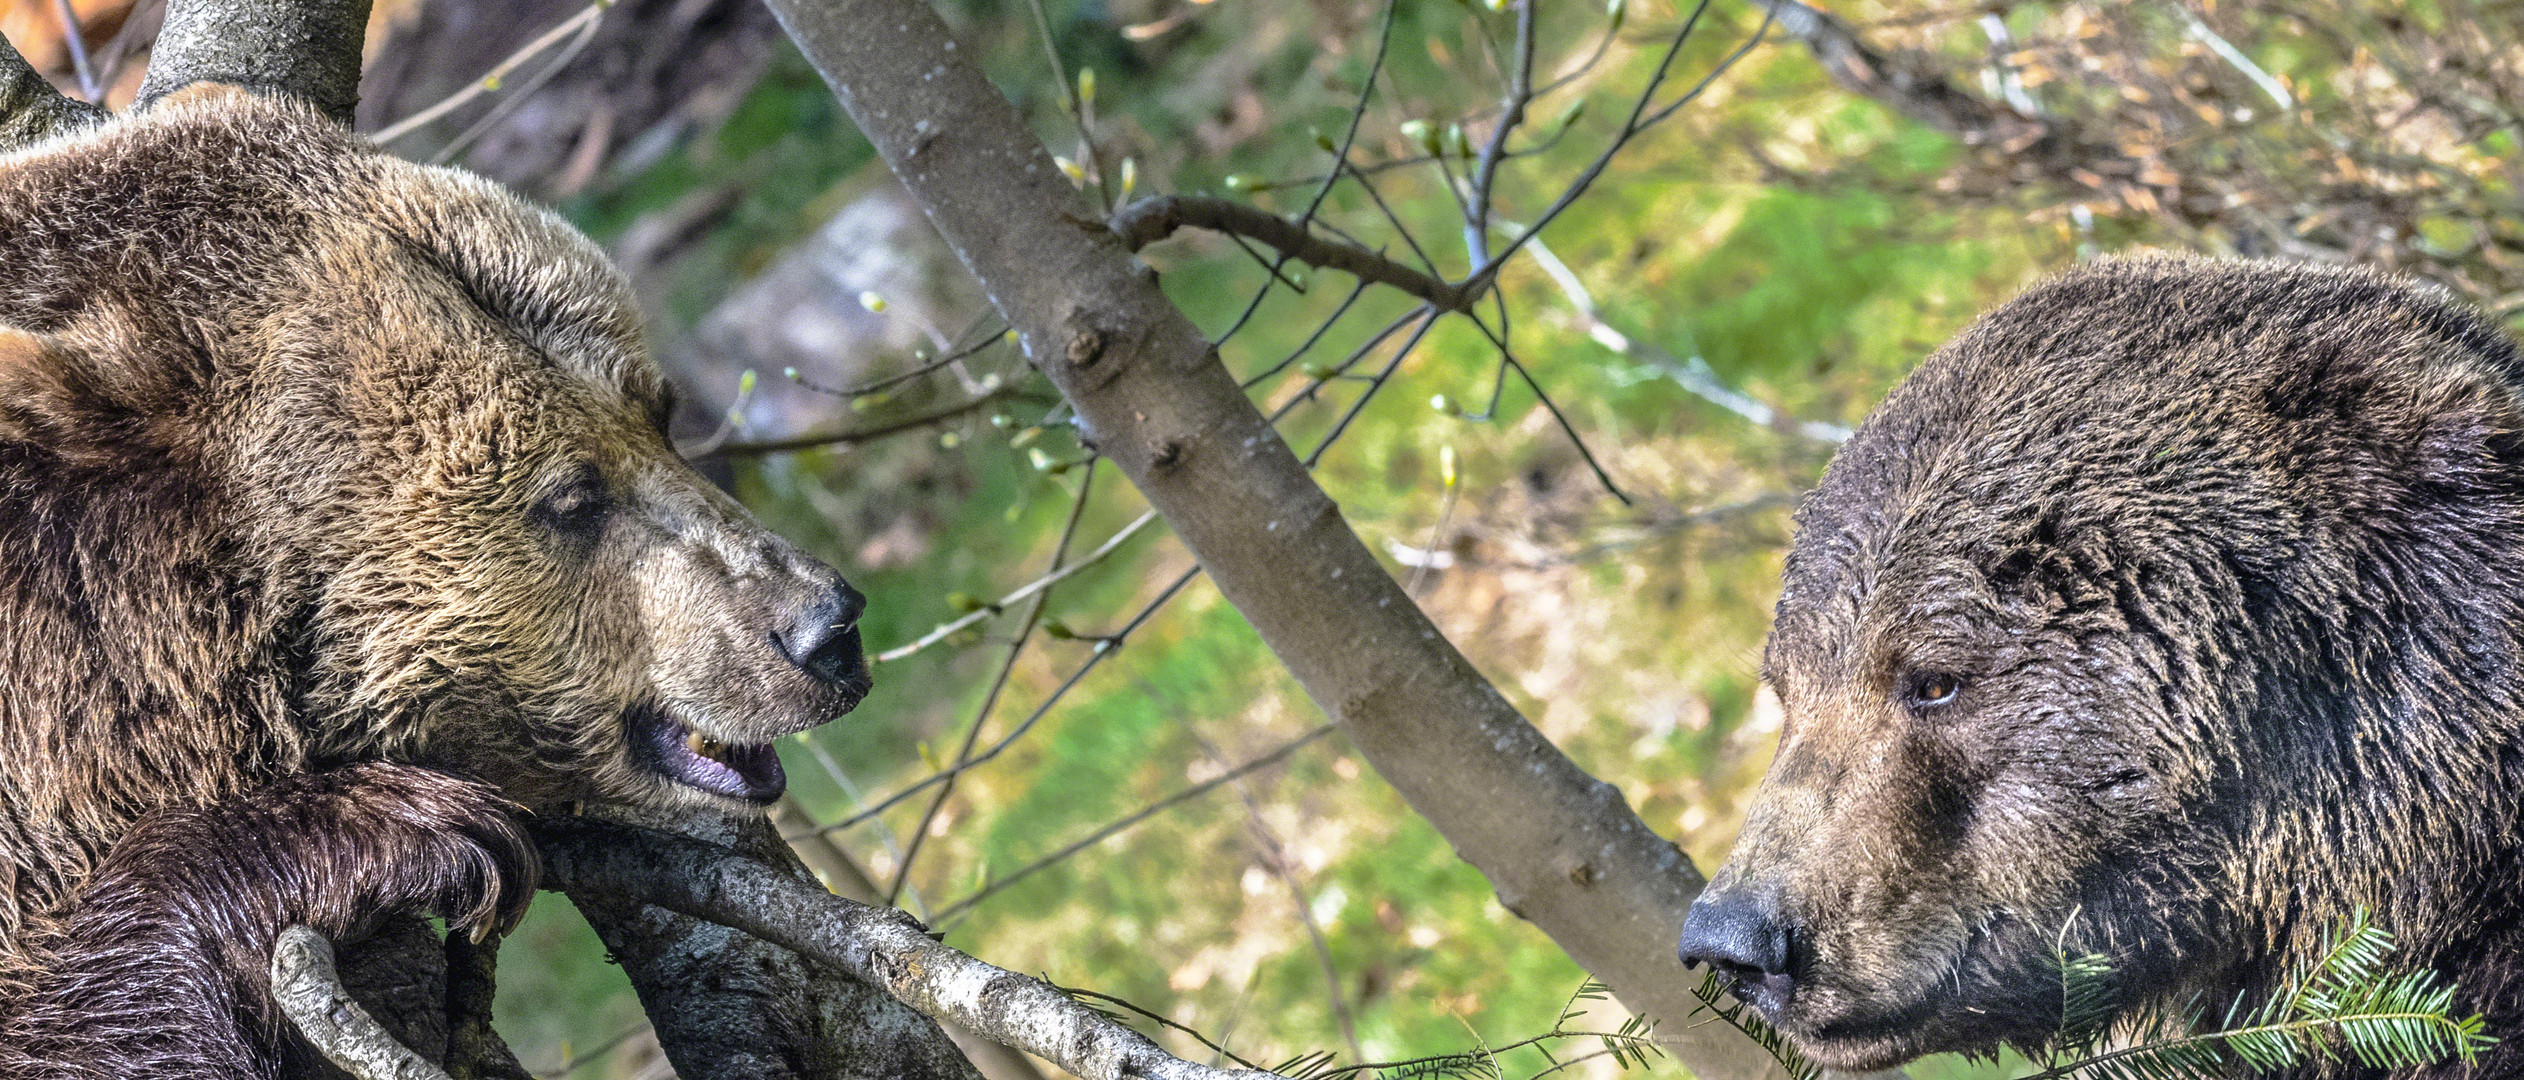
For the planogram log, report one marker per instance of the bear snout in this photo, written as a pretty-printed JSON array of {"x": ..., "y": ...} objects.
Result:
[
  {"x": 821, "y": 634},
  {"x": 1742, "y": 937}
]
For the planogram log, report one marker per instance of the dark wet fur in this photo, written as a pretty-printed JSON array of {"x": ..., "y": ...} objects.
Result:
[{"x": 2230, "y": 558}]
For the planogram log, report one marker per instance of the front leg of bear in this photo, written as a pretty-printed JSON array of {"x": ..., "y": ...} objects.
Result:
[
  {"x": 180, "y": 918},
  {"x": 338, "y": 520}
]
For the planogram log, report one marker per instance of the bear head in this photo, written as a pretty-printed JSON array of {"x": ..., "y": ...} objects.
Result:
[
  {"x": 325, "y": 456},
  {"x": 2161, "y": 615}
]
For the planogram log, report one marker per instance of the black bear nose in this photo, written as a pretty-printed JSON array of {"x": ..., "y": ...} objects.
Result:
[
  {"x": 822, "y": 635},
  {"x": 1738, "y": 936}
]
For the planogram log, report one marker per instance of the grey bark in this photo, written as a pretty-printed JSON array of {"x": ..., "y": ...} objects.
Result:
[
  {"x": 847, "y": 879},
  {"x": 310, "y": 992},
  {"x": 1563, "y": 849},
  {"x": 306, "y": 49},
  {"x": 30, "y": 109},
  {"x": 882, "y": 946},
  {"x": 727, "y": 1005}
]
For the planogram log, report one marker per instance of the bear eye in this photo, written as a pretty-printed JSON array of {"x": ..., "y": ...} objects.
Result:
[
  {"x": 576, "y": 508},
  {"x": 1931, "y": 689}
]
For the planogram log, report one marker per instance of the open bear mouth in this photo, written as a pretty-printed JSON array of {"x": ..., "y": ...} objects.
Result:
[{"x": 674, "y": 750}]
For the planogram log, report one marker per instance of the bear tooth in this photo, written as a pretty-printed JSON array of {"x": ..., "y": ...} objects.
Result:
[{"x": 706, "y": 746}]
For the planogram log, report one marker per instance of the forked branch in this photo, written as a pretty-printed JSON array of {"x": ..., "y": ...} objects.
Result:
[
  {"x": 30, "y": 109},
  {"x": 880, "y": 946},
  {"x": 1149, "y": 220},
  {"x": 310, "y": 991}
]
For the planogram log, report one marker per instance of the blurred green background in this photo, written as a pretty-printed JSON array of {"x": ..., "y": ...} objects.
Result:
[{"x": 1787, "y": 242}]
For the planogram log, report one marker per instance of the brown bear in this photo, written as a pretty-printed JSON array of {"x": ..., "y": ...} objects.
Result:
[
  {"x": 2173, "y": 612},
  {"x": 337, "y": 524}
]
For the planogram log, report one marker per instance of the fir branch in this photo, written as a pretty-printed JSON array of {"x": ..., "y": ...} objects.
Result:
[
  {"x": 2343, "y": 999},
  {"x": 1712, "y": 993}
]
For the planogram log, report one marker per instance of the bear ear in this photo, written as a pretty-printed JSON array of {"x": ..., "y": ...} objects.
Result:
[{"x": 51, "y": 396}]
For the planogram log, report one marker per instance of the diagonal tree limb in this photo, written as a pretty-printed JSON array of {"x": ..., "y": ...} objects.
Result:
[
  {"x": 846, "y": 878},
  {"x": 880, "y": 946},
  {"x": 305, "y": 49},
  {"x": 1562, "y": 848},
  {"x": 30, "y": 109}
]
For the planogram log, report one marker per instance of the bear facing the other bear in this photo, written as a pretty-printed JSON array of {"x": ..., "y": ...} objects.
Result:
[
  {"x": 337, "y": 523},
  {"x": 2173, "y": 612}
]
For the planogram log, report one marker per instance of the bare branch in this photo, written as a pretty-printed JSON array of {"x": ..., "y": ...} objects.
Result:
[
  {"x": 946, "y": 629},
  {"x": 841, "y": 872},
  {"x": 308, "y": 989},
  {"x": 474, "y": 1051},
  {"x": 1520, "y": 92},
  {"x": 1562, "y": 848},
  {"x": 880, "y": 946},
  {"x": 1142, "y": 814},
  {"x": 728, "y": 1005},
  {"x": 1149, "y": 220},
  {"x": 305, "y": 49},
  {"x": 582, "y": 25},
  {"x": 30, "y": 109},
  {"x": 998, "y": 685},
  {"x": 854, "y": 435}
]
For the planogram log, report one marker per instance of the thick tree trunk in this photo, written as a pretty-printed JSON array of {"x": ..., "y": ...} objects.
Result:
[{"x": 1563, "y": 849}]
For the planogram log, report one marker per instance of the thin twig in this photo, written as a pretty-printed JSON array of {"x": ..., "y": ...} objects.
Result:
[
  {"x": 509, "y": 105},
  {"x": 1275, "y": 855},
  {"x": 949, "y": 912},
  {"x": 998, "y": 683},
  {"x": 77, "y": 43},
  {"x": 1308, "y": 345},
  {"x": 1106, "y": 646},
  {"x": 1693, "y": 374},
  {"x": 942, "y": 630},
  {"x": 890, "y": 381},
  {"x": 851, "y": 436},
  {"x": 1630, "y": 129},
  {"x": 1520, "y": 91},
  {"x": 1508, "y": 358},
  {"x": 490, "y": 80},
  {"x": 1428, "y": 320},
  {"x": 1149, "y": 220}
]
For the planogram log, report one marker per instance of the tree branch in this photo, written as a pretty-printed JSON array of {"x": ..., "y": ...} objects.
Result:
[
  {"x": 1562, "y": 848},
  {"x": 30, "y": 109},
  {"x": 853, "y": 435},
  {"x": 474, "y": 1050},
  {"x": 308, "y": 989},
  {"x": 880, "y": 946},
  {"x": 1149, "y": 220},
  {"x": 843, "y": 875},
  {"x": 305, "y": 49},
  {"x": 728, "y": 1006}
]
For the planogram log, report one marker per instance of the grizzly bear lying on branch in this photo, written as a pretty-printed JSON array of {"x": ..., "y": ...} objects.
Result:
[{"x": 337, "y": 524}]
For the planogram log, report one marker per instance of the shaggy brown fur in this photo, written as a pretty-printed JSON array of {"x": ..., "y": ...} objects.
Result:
[
  {"x": 336, "y": 519},
  {"x": 2174, "y": 611}
]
